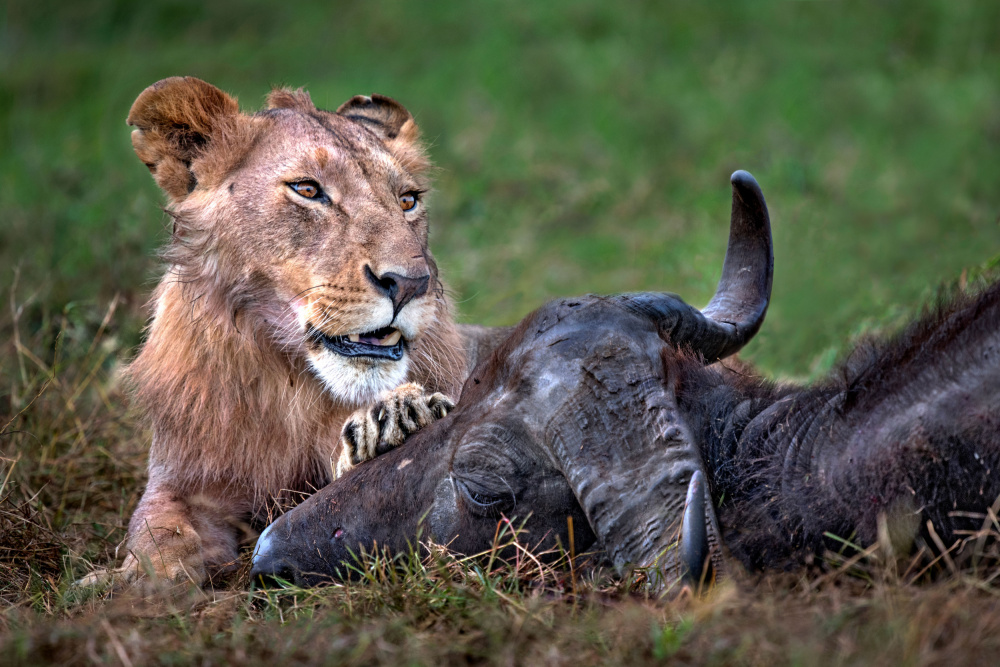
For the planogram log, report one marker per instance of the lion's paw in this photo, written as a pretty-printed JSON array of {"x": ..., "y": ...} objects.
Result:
[
  {"x": 134, "y": 570},
  {"x": 396, "y": 415},
  {"x": 104, "y": 578}
]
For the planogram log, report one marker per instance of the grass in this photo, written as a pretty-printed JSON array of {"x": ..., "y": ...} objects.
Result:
[{"x": 582, "y": 146}]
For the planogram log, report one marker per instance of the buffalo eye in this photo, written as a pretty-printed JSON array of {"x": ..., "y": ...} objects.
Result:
[
  {"x": 484, "y": 501},
  {"x": 308, "y": 189},
  {"x": 408, "y": 201}
]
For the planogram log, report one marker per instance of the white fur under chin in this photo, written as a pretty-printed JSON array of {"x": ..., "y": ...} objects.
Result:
[{"x": 358, "y": 381}]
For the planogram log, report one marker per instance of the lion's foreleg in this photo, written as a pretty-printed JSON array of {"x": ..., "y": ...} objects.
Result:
[
  {"x": 177, "y": 538},
  {"x": 162, "y": 540}
]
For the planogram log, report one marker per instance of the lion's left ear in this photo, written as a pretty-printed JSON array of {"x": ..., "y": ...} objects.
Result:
[{"x": 391, "y": 122}]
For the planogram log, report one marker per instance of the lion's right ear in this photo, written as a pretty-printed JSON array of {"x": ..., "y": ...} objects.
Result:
[
  {"x": 175, "y": 120},
  {"x": 392, "y": 123}
]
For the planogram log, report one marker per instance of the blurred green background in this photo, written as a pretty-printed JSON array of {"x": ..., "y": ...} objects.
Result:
[{"x": 582, "y": 145}]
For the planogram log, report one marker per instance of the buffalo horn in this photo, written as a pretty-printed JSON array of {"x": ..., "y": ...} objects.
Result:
[
  {"x": 737, "y": 310},
  {"x": 695, "y": 549},
  {"x": 633, "y": 488}
]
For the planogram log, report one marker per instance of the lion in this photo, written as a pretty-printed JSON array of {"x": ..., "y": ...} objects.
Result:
[{"x": 300, "y": 326}]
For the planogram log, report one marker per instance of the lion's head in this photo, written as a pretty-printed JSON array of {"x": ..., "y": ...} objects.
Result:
[{"x": 308, "y": 225}]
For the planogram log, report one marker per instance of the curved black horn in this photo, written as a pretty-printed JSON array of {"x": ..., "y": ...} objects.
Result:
[
  {"x": 737, "y": 310},
  {"x": 695, "y": 547},
  {"x": 745, "y": 286}
]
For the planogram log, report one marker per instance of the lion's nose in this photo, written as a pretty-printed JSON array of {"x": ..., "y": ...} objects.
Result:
[{"x": 399, "y": 288}]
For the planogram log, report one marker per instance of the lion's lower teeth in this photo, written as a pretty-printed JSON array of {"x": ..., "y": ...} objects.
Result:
[
  {"x": 391, "y": 339},
  {"x": 354, "y": 338}
]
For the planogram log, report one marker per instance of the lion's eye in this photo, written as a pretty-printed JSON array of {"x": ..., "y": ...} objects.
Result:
[
  {"x": 408, "y": 201},
  {"x": 307, "y": 189}
]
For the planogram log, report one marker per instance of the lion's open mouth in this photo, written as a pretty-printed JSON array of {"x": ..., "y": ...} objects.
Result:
[{"x": 384, "y": 343}]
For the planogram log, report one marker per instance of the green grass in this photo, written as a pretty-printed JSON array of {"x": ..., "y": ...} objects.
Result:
[{"x": 583, "y": 146}]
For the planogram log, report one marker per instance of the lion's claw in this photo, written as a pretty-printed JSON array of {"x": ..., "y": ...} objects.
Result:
[{"x": 396, "y": 415}]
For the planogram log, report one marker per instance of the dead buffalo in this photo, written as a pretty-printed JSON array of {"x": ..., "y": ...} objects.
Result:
[{"x": 603, "y": 410}]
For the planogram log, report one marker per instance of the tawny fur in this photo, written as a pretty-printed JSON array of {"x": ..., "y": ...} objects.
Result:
[{"x": 228, "y": 374}]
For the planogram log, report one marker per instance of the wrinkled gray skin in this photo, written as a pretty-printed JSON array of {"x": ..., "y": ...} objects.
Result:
[{"x": 574, "y": 416}]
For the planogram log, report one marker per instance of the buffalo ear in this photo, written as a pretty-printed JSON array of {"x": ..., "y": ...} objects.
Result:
[
  {"x": 392, "y": 123},
  {"x": 175, "y": 120}
]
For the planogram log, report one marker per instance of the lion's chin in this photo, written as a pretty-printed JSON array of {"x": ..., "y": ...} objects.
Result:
[{"x": 357, "y": 381}]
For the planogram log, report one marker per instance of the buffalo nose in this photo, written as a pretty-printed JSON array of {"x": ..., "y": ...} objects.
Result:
[
  {"x": 399, "y": 288},
  {"x": 268, "y": 564},
  {"x": 269, "y": 572}
]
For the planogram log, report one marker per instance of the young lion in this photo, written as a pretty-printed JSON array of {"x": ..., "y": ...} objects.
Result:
[{"x": 299, "y": 288}]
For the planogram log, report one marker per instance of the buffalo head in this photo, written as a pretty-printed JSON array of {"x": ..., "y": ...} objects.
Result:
[{"x": 573, "y": 416}]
